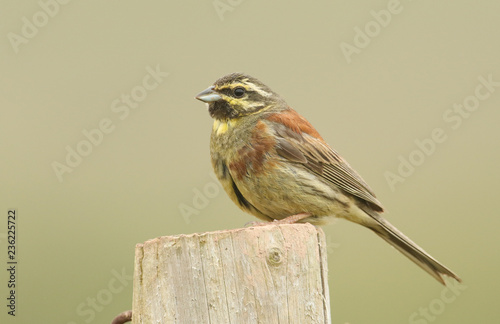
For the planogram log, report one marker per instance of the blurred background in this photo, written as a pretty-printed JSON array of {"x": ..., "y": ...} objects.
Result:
[{"x": 104, "y": 146}]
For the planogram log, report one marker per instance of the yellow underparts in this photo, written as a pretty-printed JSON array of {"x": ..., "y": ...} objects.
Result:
[{"x": 220, "y": 126}]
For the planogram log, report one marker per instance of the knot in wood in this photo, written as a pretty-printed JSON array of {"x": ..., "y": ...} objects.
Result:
[{"x": 275, "y": 256}]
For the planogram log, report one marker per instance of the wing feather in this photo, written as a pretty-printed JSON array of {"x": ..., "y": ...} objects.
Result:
[{"x": 297, "y": 145}]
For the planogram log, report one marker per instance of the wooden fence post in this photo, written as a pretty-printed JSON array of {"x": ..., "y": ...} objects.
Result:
[{"x": 263, "y": 274}]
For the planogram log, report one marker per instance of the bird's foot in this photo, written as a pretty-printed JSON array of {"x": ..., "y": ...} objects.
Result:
[
  {"x": 292, "y": 219},
  {"x": 287, "y": 220}
]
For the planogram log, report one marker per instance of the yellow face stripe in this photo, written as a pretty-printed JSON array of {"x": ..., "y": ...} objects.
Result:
[
  {"x": 258, "y": 90},
  {"x": 248, "y": 86},
  {"x": 246, "y": 105},
  {"x": 233, "y": 86}
]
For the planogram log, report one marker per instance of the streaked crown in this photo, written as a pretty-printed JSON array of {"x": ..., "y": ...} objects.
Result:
[{"x": 236, "y": 95}]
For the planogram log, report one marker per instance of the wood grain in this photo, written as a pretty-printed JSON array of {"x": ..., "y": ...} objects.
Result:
[{"x": 263, "y": 274}]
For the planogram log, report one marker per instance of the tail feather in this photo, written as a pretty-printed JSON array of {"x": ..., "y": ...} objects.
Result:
[{"x": 411, "y": 250}]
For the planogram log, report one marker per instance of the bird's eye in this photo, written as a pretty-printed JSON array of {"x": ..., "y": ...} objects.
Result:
[{"x": 239, "y": 92}]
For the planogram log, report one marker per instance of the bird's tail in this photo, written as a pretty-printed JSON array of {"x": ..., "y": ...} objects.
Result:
[{"x": 411, "y": 250}]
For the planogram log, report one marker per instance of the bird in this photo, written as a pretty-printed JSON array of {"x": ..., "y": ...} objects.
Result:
[{"x": 275, "y": 165}]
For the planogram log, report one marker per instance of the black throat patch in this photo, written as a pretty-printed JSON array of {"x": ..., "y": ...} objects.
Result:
[{"x": 221, "y": 110}]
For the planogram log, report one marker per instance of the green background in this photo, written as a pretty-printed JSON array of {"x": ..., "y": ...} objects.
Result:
[{"x": 74, "y": 235}]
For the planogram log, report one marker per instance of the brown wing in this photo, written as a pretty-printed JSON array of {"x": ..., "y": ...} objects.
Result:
[{"x": 299, "y": 142}]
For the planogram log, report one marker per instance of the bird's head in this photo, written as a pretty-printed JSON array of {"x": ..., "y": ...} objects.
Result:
[{"x": 236, "y": 95}]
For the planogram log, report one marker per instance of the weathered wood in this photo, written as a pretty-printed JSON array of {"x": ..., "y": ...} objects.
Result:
[{"x": 263, "y": 274}]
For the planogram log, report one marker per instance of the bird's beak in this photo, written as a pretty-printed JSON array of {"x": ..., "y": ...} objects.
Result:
[{"x": 208, "y": 95}]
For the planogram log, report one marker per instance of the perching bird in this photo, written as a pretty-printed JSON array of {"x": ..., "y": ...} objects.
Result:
[{"x": 274, "y": 165}]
